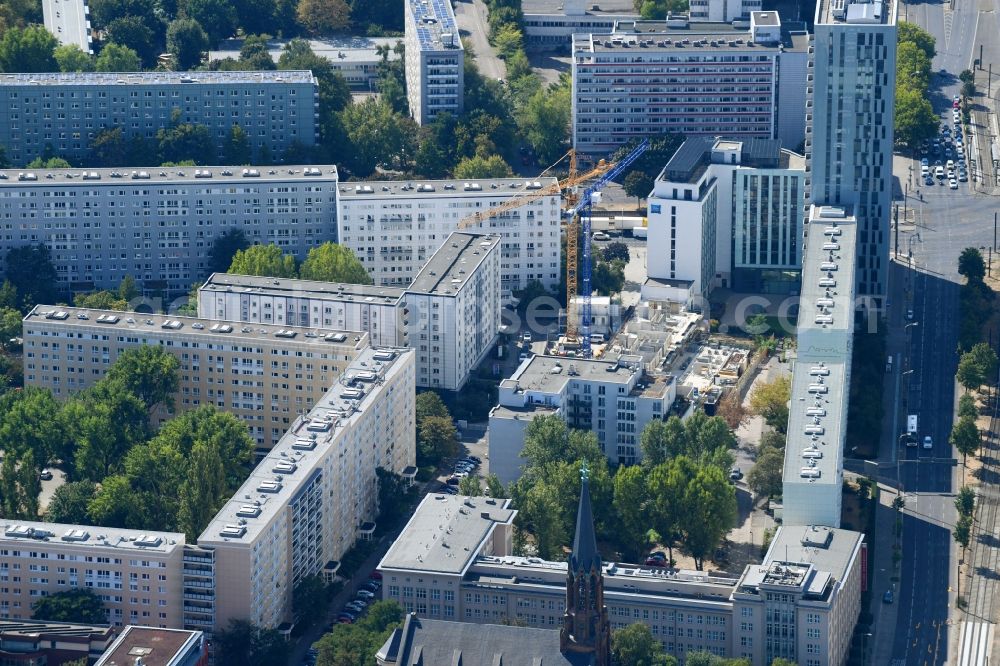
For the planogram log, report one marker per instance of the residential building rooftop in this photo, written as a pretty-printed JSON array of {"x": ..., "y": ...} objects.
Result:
[
  {"x": 158, "y": 77},
  {"x": 84, "y": 536},
  {"x": 69, "y": 21},
  {"x": 151, "y": 646},
  {"x": 436, "y": 26},
  {"x": 685, "y": 38},
  {"x": 550, "y": 374},
  {"x": 301, "y": 288},
  {"x": 857, "y": 13},
  {"x": 349, "y": 48},
  {"x": 293, "y": 460},
  {"x": 193, "y": 327},
  {"x": 444, "y": 188},
  {"x": 33, "y": 628},
  {"x": 207, "y": 175},
  {"x": 458, "y": 257},
  {"x": 446, "y": 533},
  {"x": 693, "y": 157},
  {"x": 564, "y": 7}
]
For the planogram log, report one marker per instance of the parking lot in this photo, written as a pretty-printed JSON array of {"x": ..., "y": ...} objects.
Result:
[{"x": 943, "y": 158}]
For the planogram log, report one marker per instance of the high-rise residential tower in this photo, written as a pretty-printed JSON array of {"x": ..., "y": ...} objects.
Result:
[{"x": 849, "y": 125}]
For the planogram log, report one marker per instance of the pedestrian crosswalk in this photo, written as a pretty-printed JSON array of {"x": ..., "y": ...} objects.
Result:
[{"x": 974, "y": 643}]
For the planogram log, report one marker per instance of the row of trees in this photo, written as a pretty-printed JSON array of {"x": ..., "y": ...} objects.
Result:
[
  {"x": 915, "y": 120},
  {"x": 328, "y": 262},
  {"x": 976, "y": 300},
  {"x": 678, "y": 495}
]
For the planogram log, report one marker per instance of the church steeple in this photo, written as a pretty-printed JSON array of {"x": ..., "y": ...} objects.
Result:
[{"x": 585, "y": 629}]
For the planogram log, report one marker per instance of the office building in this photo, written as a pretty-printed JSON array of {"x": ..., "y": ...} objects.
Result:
[
  {"x": 146, "y": 646},
  {"x": 613, "y": 398},
  {"x": 40, "y": 642},
  {"x": 395, "y": 226},
  {"x": 549, "y": 25},
  {"x": 159, "y": 225},
  {"x": 723, "y": 11},
  {"x": 353, "y": 57},
  {"x": 311, "y": 498},
  {"x": 453, "y": 563},
  {"x": 647, "y": 78},
  {"x": 378, "y": 311},
  {"x": 62, "y": 113},
  {"x": 817, "y": 418},
  {"x": 266, "y": 374},
  {"x": 136, "y": 574},
  {"x": 849, "y": 136},
  {"x": 69, "y": 21},
  {"x": 450, "y": 313},
  {"x": 727, "y": 213},
  {"x": 434, "y": 60}
]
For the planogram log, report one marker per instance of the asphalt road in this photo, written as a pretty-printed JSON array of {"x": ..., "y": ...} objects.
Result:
[{"x": 472, "y": 25}]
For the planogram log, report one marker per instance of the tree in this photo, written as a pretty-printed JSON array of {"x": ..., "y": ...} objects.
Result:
[
  {"x": 478, "y": 166},
  {"x": 965, "y": 437},
  {"x": 977, "y": 366},
  {"x": 911, "y": 32},
  {"x": 913, "y": 67},
  {"x": 437, "y": 438},
  {"x": 550, "y": 534},
  {"x": 662, "y": 440},
  {"x": 100, "y": 300},
  {"x": 710, "y": 503},
  {"x": 668, "y": 483},
  {"x": 49, "y": 163},
  {"x": 470, "y": 485},
  {"x": 220, "y": 431},
  {"x": 115, "y": 504},
  {"x": 69, "y": 503},
  {"x": 29, "y": 49},
  {"x": 19, "y": 485},
  {"x": 255, "y": 54},
  {"x": 548, "y": 440},
  {"x": 8, "y": 295},
  {"x": 331, "y": 262},
  {"x": 965, "y": 501},
  {"x": 31, "y": 273},
  {"x": 79, "y": 606},
  {"x": 429, "y": 403},
  {"x": 334, "y": 91},
  {"x": 10, "y": 325},
  {"x": 508, "y": 40},
  {"x": 118, "y": 58},
  {"x": 608, "y": 277},
  {"x": 967, "y": 406},
  {"x": 217, "y": 17},
  {"x": 185, "y": 142},
  {"x": 378, "y": 136},
  {"x": 236, "y": 149},
  {"x": 616, "y": 251},
  {"x": 971, "y": 265},
  {"x": 765, "y": 478},
  {"x": 310, "y": 598},
  {"x": 149, "y": 372},
  {"x": 102, "y": 424},
  {"x": 392, "y": 494},
  {"x": 730, "y": 409},
  {"x": 630, "y": 499},
  {"x": 136, "y": 35},
  {"x": 494, "y": 487},
  {"x": 225, "y": 247},
  {"x": 915, "y": 120},
  {"x": 244, "y": 644},
  {"x": 544, "y": 120},
  {"x": 351, "y": 644},
  {"x": 71, "y": 58},
  {"x": 322, "y": 17},
  {"x": 770, "y": 401},
  {"x": 638, "y": 184},
  {"x": 186, "y": 40},
  {"x": 634, "y": 645},
  {"x": 963, "y": 531},
  {"x": 204, "y": 491},
  {"x": 27, "y": 423},
  {"x": 266, "y": 260}
]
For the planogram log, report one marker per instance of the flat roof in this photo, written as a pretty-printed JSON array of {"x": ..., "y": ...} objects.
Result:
[
  {"x": 459, "y": 257},
  {"x": 192, "y": 327},
  {"x": 687, "y": 40},
  {"x": 765, "y": 18},
  {"x": 829, "y": 549},
  {"x": 64, "y": 630},
  {"x": 289, "y": 288},
  {"x": 845, "y": 12},
  {"x": 69, "y": 21},
  {"x": 435, "y": 25},
  {"x": 31, "y": 533},
  {"x": 155, "y": 647},
  {"x": 334, "y": 49},
  {"x": 595, "y": 7},
  {"x": 157, "y": 78},
  {"x": 19, "y": 178},
  {"x": 550, "y": 374},
  {"x": 817, "y": 416},
  {"x": 294, "y": 459},
  {"x": 498, "y": 187},
  {"x": 446, "y": 533},
  {"x": 693, "y": 157}
]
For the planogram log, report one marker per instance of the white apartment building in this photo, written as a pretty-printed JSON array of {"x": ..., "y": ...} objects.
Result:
[
  {"x": 395, "y": 226},
  {"x": 311, "y": 498},
  {"x": 158, "y": 225},
  {"x": 434, "y": 59},
  {"x": 821, "y": 379},
  {"x": 849, "y": 125},
  {"x": 64, "y": 112},
  {"x": 615, "y": 399},
  {"x": 266, "y": 374},
  {"x": 356, "y": 58},
  {"x": 726, "y": 212},
  {"x": 136, "y": 574},
  {"x": 454, "y": 305},
  {"x": 453, "y": 561},
  {"x": 450, "y": 313},
  {"x": 723, "y": 11},
  {"x": 378, "y": 311},
  {"x": 646, "y": 78}
]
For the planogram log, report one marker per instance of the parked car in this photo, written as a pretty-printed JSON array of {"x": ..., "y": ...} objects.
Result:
[
  {"x": 45, "y": 475},
  {"x": 449, "y": 490},
  {"x": 372, "y": 586},
  {"x": 365, "y": 594},
  {"x": 452, "y": 481},
  {"x": 887, "y": 597},
  {"x": 601, "y": 236},
  {"x": 478, "y": 461},
  {"x": 735, "y": 474}
]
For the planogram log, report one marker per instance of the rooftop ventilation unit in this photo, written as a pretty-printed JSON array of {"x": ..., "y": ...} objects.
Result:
[
  {"x": 831, "y": 246},
  {"x": 140, "y": 175},
  {"x": 815, "y": 430},
  {"x": 172, "y": 324},
  {"x": 284, "y": 467},
  {"x": 352, "y": 394},
  {"x": 819, "y": 388},
  {"x": 384, "y": 355},
  {"x": 19, "y": 531},
  {"x": 812, "y": 453},
  {"x": 365, "y": 376},
  {"x": 828, "y": 266},
  {"x": 251, "y": 173},
  {"x": 221, "y": 328},
  {"x": 91, "y": 175},
  {"x": 233, "y": 531},
  {"x": 27, "y": 176},
  {"x": 304, "y": 444},
  {"x": 318, "y": 426},
  {"x": 824, "y": 303},
  {"x": 824, "y": 319},
  {"x": 472, "y": 187},
  {"x": 818, "y": 370},
  {"x": 58, "y": 314},
  {"x": 335, "y": 337},
  {"x": 202, "y": 173},
  {"x": 108, "y": 319},
  {"x": 827, "y": 282},
  {"x": 148, "y": 540},
  {"x": 284, "y": 333},
  {"x": 311, "y": 171},
  {"x": 816, "y": 411},
  {"x": 809, "y": 473},
  {"x": 76, "y": 535},
  {"x": 248, "y": 511},
  {"x": 425, "y": 188},
  {"x": 533, "y": 185},
  {"x": 269, "y": 487},
  {"x": 832, "y": 231}
]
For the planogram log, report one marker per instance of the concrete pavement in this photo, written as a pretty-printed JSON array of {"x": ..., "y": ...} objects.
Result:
[{"x": 472, "y": 24}]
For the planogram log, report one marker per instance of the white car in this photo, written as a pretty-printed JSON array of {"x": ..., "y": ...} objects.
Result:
[
  {"x": 953, "y": 184},
  {"x": 939, "y": 172},
  {"x": 601, "y": 236},
  {"x": 950, "y": 164},
  {"x": 928, "y": 442}
]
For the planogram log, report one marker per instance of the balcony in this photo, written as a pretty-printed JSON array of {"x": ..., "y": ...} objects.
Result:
[{"x": 195, "y": 596}]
